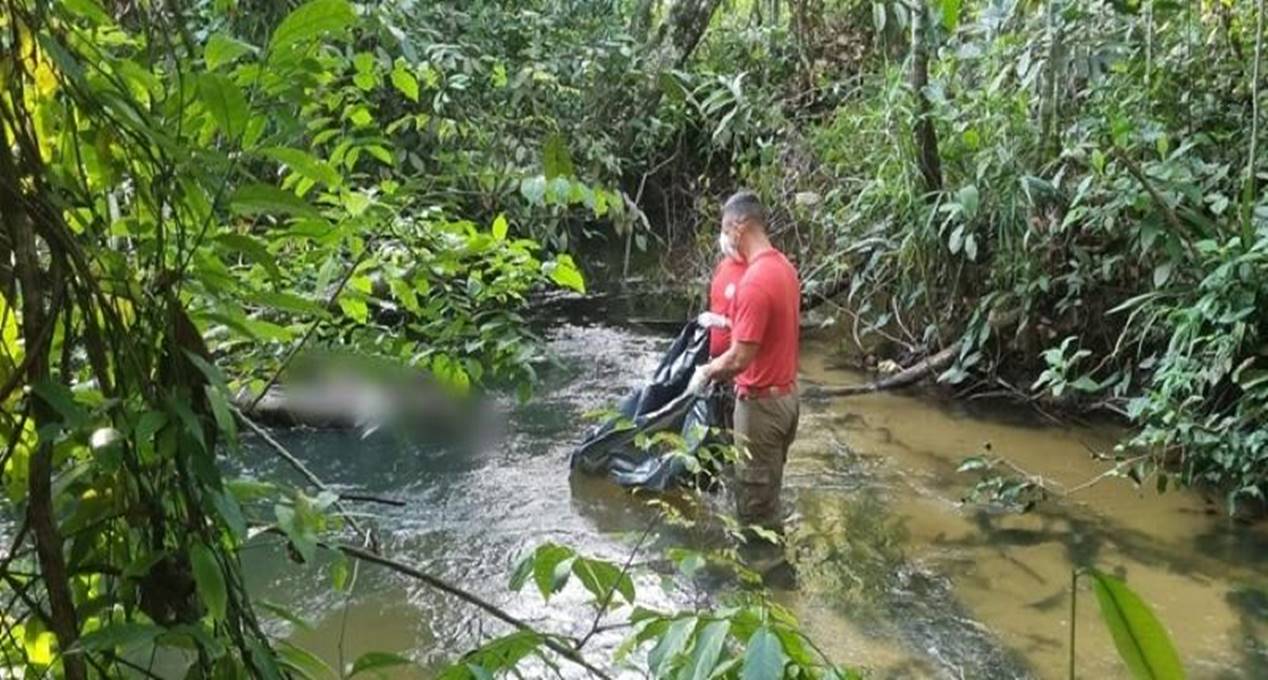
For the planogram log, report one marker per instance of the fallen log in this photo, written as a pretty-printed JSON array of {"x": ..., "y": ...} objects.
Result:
[
  {"x": 917, "y": 371},
  {"x": 908, "y": 376}
]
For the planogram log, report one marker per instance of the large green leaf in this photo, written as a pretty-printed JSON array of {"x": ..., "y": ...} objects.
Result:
[
  {"x": 210, "y": 580},
  {"x": 251, "y": 247},
  {"x": 303, "y": 662},
  {"x": 564, "y": 272},
  {"x": 551, "y": 566},
  {"x": 310, "y": 20},
  {"x": 377, "y": 660},
  {"x": 225, "y": 102},
  {"x": 705, "y": 655},
  {"x": 670, "y": 645},
  {"x": 764, "y": 657},
  {"x": 950, "y": 14},
  {"x": 305, "y": 165},
  {"x": 601, "y": 577},
  {"x": 557, "y": 161},
  {"x": 222, "y": 49},
  {"x": 405, "y": 81},
  {"x": 265, "y": 199},
  {"x": 118, "y": 635},
  {"x": 1142, "y": 642}
]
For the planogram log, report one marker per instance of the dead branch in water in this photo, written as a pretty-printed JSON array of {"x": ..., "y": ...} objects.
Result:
[{"x": 914, "y": 373}]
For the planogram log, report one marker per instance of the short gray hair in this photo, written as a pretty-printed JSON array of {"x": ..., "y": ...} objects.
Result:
[{"x": 747, "y": 206}]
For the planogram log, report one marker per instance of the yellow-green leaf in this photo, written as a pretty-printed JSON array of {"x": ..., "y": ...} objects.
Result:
[
  {"x": 405, "y": 81},
  {"x": 222, "y": 49},
  {"x": 305, "y": 165},
  {"x": 1142, "y": 642},
  {"x": 310, "y": 20},
  {"x": 565, "y": 273},
  {"x": 225, "y": 102}
]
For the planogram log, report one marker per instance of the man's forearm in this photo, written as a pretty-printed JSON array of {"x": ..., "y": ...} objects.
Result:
[
  {"x": 723, "y": 368},
  {"x": 730, "y": 363}
]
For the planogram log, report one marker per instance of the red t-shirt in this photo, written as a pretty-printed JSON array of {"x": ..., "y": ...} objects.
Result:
[
  {"x": 726, "y": 279},
  {"x": 768, "y": 313}
]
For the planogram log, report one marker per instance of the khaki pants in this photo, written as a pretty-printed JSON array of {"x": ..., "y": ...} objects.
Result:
[{"x": 764, "y": 429}]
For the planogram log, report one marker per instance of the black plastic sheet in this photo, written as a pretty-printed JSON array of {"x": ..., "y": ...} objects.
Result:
[{"x": 662, "y": 404}]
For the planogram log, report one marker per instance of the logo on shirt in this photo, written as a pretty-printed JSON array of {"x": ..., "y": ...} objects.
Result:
[{"x": 729, "y": 293}]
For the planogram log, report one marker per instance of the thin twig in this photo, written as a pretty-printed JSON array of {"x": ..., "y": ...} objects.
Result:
[
  {"x": 312, "y": 328},
  {"x": 302, "y": 469},
  {"x": 625, "y": 569},
  {"x": 497, "y": 612}
]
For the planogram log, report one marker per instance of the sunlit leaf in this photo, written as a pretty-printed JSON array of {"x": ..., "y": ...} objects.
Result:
[
  {"x": 405, "y": 81},
  {"x": 565, "y": 273},
  {"x": 305, "y": 165},
  {"x": 310, "y": 20},
  {"x": 225, "y": 102},
  {"x": 223, "y": 49}
]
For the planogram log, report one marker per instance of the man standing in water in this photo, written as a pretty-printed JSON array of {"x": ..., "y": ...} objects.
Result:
[
  {"x": 762, "y": 359},
  {"x": 722, "y": 288}
]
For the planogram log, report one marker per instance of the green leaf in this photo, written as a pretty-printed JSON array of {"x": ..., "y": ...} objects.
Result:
[
  {"x": 533, "y": 189},
  {"x": 88, "y": 9},
  {"x": 265, "y": 199},
  {"x": 222, "y": 49},
  {"x": 225, "y": 102},
  {"x": 764, "y": 656},
  {"x": 969, "y": 200},
  {"x": 253, "y": 249},
  {"x": 564, "y": 272},
  {"x": 950, "y": 14},
  {"x": 376, "y": 660},
  {"x": 546, "y": 563},
  {"x": 310, "y": 20},
  {"x": 405, "y": 81},
  {"x": 556, "y": 160},
  {"x": 601, "y": 577},
  {"x": 118, "y": 635},
  {"x": 302, "y": 661},
  {"x": 305, "y": 164},
  {"x": 210, "y": 580},
  {"x": 286, "y": 302},
  {"x": 500, "y": 228},
  {"x": 670, "y": 645},
  {"x": 283, "y": 613},
  {"x": 708, "y": 648},
  {"x": 1142, "y": 642},
  {"x": 523, "y": 570}
]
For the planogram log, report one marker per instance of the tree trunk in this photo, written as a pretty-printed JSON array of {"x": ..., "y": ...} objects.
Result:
[
  {"x": 927, "y": 157},
  {"x": 48, "y": 540}
]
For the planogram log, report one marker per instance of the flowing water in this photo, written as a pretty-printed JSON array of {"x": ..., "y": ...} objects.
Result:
[{"x": 896, "y": 575}]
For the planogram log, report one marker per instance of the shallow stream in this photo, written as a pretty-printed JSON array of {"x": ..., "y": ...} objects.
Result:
[{"x": 896, "y": 574}]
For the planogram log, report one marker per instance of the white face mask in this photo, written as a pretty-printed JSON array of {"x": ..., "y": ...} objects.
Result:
[{"x": 728, "y": 246}]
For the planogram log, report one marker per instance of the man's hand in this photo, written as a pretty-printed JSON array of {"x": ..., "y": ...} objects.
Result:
[
  {"x": 700, "y": 381},
  {"x": 713, "y": 320}
]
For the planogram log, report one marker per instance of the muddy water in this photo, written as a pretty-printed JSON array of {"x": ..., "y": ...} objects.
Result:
[
  {"x": 896, "y": 575},
  {"x": 1003, "y": 579}
]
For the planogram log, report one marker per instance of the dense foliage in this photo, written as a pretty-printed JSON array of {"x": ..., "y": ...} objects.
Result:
[
  {"x": 194, "y": 193},
  {"x": 1067, "y": 192}
]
